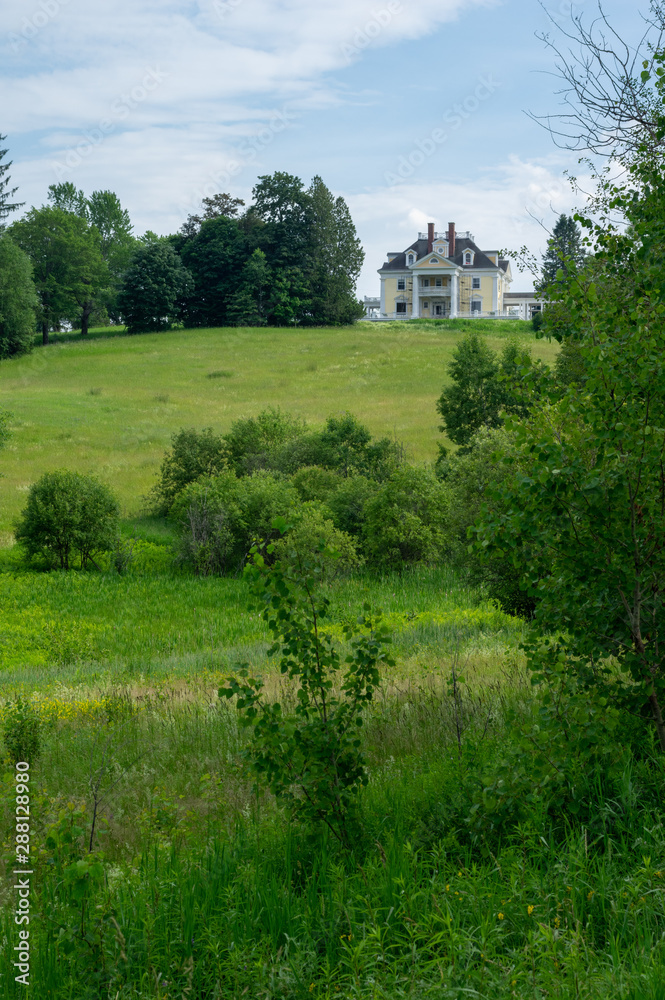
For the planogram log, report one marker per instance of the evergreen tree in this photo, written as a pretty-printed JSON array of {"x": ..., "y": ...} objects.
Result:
[
  {"x": 215, "y": 257},
  {"x": 249, "y": 305},
  {"x": 6, "y": 193},
  {"x": 564, "y": 249},
  {"x": 336, "y": 257}
]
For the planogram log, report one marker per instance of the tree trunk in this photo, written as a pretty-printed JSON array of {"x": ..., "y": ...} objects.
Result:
[
  {"x": 44, "y": 332},
  {"x": 85, "y": 317}
]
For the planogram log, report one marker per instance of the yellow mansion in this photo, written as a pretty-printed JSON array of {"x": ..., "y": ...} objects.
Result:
[{"x": 444, "y": 274}]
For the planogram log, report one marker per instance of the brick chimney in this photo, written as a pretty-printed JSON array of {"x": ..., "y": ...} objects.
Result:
[
  {"x": 430, "y": 236},
  {"x": 451, "y": 239}
]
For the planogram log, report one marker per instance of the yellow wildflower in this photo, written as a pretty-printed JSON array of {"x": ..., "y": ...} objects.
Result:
[
  {"x": 530, "y": 909},
  {"x": 500, "y": 916}
]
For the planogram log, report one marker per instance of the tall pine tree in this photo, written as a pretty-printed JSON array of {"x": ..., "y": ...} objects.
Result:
[
  {"x": 564, "y": 249},
  {"x": 6, "y": 193}
]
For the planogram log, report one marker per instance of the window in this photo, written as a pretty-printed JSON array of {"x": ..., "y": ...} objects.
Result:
[
  {"x": 400, "y": 307},
  {"x": 425, "y": 305},
  {"x": 467, "y": 258},
  {"x": 475, "y": 282},
  {"x": 438, "y": 282},
  {"x": 476, "y": 306},
  {"x": 425, "y": 282},
  {"x": 410, "y": 259},
  {"x": 401, "y": 284}
]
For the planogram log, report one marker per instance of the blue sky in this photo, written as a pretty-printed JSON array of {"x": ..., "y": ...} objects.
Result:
[{"x": 413, "y": 110}]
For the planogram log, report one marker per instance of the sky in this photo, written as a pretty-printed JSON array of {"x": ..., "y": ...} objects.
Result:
[{"x": 412, "y": 110}]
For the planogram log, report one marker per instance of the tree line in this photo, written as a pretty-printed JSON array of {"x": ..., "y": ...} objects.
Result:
[{"x": 291, "y": 257}]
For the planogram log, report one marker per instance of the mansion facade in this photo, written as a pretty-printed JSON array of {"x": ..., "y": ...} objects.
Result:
[{"x": 447, "y": 274}]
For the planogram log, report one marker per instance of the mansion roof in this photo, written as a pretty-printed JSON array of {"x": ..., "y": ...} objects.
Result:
[{"x": 480, "y": 260}]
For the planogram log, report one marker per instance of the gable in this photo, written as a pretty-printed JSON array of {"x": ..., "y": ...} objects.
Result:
[{"x": 432, "y": 260}]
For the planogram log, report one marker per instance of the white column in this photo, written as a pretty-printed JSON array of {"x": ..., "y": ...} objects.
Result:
[
  {"x": 382, "y": 308},
  {"x": 495, "y": 293},
  {"x": 415, "y": 298},
  {"x": 454, "y": 294}
]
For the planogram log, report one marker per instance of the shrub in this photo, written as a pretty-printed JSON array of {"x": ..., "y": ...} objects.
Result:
[
  {"x": 253, "y": 442},
  {"x": 22, "y": 731},
  {"x": 68, "y": 515},
  {"x": 311, "y": 759},
  {"x": 314, "y": 483},
  {"x": 472, "y": 477},
  {"x": 212, "y": 533},
  {"x": 217, "y": 518},
  {"x": 192, "y": 454},
  {"x": 349, "y": 502},
  {"x": 312, "y": 528},
  {"x": 406, "y": 519}
]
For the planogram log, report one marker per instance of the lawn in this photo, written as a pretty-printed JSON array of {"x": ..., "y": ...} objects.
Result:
[{"x": 109, "y": 405}]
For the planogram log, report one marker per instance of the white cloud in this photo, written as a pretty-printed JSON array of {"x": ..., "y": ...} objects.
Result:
[{"x": 505, "y": 211}]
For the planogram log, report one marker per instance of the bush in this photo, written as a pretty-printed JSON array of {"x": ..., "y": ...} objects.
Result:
[
  {"x": 22, "y": 732},
  {"x": 471, "y": 479},
  {"x": 310, "y": 759},
  {"x": 218, "y": 518},
  {"x": 406, "y": 519},
  {"x": 68, "y": 515},
  {"x": 348, "y": 503},
  {"x": 313, "y": 527},
  {"x": 192, "y": 454},
  {"x": 315, "y": 483},
  {"x": 253, "y": 442},
  {"x": 212, "y": 531}
]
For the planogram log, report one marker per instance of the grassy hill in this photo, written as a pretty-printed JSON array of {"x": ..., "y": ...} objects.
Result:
[{"x": 111, "y": 403}]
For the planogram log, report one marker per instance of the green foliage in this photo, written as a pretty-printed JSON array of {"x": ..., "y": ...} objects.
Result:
[
  {"x": 565, "y": 251},
  {"x": 316, "y": 483},
  {"x": 68, "y": 268},
  {"x": 483, "y": 387},
  {"x": 310, "y": 759},
  {"x": 586, "y": 524},
  {"x": 22, "y": 731},
  {"x": 68, "y": 515},
  {"x": 192, "y": 454},
  {"x": 348, "y": 504},
  {"x": 473, "y": 476},
  {"x": 6, "y": 193},
  {"x": 253, "y": 442},
  {"x": 312, "y": 526},
  {"x": 218, "y": 518},
  {"x": 18, "y": 300},
  {"x": 249, "y": 304},
  {"x": 555, "y": 752},
  {"x": 155, "y": 288},
  {"x": 405, "y": 519}
]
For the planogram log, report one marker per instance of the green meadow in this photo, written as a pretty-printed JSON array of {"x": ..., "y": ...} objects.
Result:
[
  {"x": 111, "y": 404},
  {"x": 159, "y": 870}
]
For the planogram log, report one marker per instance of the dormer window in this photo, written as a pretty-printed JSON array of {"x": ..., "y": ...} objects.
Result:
[
  {"x": 468, "y": 256},
  {"x": 410, "y": 258}
]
